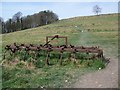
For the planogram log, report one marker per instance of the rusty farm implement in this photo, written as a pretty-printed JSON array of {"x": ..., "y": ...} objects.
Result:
[{"x": 47, "y": 49}]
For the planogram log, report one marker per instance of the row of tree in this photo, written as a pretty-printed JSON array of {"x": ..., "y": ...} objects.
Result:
[{"x": 17, "y": 22}]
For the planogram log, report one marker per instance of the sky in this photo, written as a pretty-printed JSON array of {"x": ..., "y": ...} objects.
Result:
[{"x": 62, "y": 9}]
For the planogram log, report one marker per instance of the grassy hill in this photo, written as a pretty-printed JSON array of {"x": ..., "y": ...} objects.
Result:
[
  {"x": 89, "y": 31},
  {"x": 65, "y": 27}
]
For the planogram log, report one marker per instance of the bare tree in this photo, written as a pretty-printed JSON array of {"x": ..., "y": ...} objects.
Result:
[
  {"x": 97, "y": 9},
  {"x": 16, "y": 16},
  {"x": 16, "y": 19},
  {"x": 1, "y": 19},
  {"x": 1, "y": 25}
]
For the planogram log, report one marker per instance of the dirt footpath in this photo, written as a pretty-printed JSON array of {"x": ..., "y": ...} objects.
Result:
[{"x": 105, "y": 78}]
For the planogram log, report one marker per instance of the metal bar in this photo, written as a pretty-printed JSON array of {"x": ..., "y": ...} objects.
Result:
[
  {"x": 61, "y": 58},
  {"x": 66, "y": 42},
  {"x": 56, "y": 36},
  {"x": 47, "y": 58},
  {"x": 46, "y": 39}
]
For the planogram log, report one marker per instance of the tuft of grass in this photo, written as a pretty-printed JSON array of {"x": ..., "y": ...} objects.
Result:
[{"x": 54, "y": 75}]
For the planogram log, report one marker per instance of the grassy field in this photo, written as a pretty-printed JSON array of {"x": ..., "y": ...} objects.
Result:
[{"x": 88, "y": 31}]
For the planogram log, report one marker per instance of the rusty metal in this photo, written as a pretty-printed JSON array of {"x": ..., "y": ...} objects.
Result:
[
  {"x": 98, "y": 53},
  {"x": 56, "y": 36}
]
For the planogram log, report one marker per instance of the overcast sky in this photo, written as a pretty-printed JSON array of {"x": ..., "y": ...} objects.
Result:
[{"x": 62, "y": 9}]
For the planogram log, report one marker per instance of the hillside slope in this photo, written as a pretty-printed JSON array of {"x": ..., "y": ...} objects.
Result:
[{"x": 68, "y": 27}]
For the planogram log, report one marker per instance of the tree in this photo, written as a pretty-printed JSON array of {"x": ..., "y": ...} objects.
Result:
[
  {"x": 97, "y": 9},
  {"x": 1, "y": 19},
  {"x": 49, "y": 17},
  {"x": 1, "y": 25},
  {"x": 16, "y": 21},
  {"x": 16, "y": 16},
  {"x": 8, "y": 25}
]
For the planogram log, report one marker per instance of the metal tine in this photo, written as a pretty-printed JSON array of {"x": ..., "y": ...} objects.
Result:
[{"x": 72, "y": 49}]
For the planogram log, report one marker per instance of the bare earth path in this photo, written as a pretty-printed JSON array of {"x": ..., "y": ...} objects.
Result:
[{"x": 105, "y": 78}]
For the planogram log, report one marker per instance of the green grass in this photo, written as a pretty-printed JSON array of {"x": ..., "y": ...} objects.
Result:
[
  {"x": 102, "y": 32},
  {"x": 50, "y": 76}
]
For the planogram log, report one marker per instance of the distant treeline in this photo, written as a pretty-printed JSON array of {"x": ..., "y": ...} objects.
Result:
[{"x": 17, "y": 22}]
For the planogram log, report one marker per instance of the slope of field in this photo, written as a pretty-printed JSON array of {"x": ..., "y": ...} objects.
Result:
[
  {"x": 89, "y": 31},
  {"x": 102, "y": 22},
  {"x": 68, "y": 27}
]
